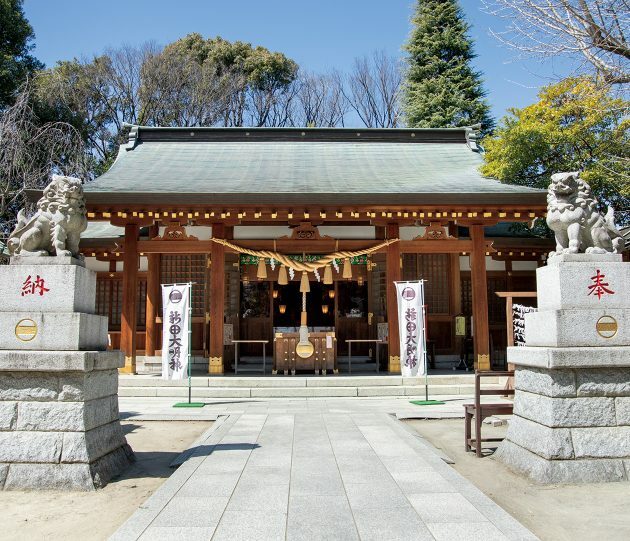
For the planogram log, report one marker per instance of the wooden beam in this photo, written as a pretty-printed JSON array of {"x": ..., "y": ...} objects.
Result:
[
  {"x": 152, "y": 304},
  {"x": 393, "y": 274},
  {"x": 480, "y": 299},
  {"x": 129, "y": 300},
  {"x": 217, "y": 301}
]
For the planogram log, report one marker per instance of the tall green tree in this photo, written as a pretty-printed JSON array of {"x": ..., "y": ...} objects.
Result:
[
  {"x": 577, "y": 125},
  {"x": 16, "y": 62},
  {"x": 442, "y": 90}
]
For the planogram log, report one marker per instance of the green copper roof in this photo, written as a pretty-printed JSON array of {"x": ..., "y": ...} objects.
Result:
[{"x": 250, "y": 166}]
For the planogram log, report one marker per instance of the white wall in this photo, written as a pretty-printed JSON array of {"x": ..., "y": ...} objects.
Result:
[
  {"x": 410, "y": 233},
  {"x": 348, "y": 231},
  {"x": 259, "y": 232},
  {"x": 524, "y": 265},
  {"x": 491, "y": 264},
  {"x": 97, "y": 266}
]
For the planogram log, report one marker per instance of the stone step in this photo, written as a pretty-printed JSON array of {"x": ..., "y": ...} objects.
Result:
[
  {"x": 279, "y": 381},
  {"x": 299, "y": 392},
  {"x": 233, "y": 392}
]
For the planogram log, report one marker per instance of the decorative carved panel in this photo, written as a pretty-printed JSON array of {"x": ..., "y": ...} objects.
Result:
[
  {"x": 306, "y": 231},
  {"x": 175, "y": 231},
  {"x": 435, "y": 231}
]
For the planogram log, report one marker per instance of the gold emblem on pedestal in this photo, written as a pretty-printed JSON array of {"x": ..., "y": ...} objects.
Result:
[
  {"x": 606, "y": 326},
  {"x": 26, "y": 330}
]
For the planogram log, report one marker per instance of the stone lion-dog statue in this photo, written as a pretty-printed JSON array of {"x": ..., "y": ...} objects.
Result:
[
  {"x": 56, "y": 227},
  {"x": 573, "y": 216}
]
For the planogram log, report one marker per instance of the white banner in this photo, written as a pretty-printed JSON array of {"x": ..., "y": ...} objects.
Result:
[
  {"x": 410, "y": 297},
  {"x": 175, "y": 337}
]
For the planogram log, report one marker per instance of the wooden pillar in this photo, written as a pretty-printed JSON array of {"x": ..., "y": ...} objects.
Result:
[
  {"x": 217, "y": 301},
  {"x": 479, "y": 282},
  {"x": 393, "y": 274},
  {"x": 129, "y": 299},
  {"x": 455, "y": 304},
  {"x": 509, "y": 282},
  {"x": 152, "y": 304}
]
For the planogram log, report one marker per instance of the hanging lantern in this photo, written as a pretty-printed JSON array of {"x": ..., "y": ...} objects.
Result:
[
  {"x": 328, "y": 278},
  {"x": 261, "y": 273},
  {"x": 347, "y": 269},
  {"x": 305, "y": 287},
  {"x": 275, "y": 293},
  {"x": 282, "y": 276},
  {"x": 324, "y": 308},
  {"x": 331, "y": 293},
  {"x": 360, "y": 280},
  {"x": 282, "y": 308}
]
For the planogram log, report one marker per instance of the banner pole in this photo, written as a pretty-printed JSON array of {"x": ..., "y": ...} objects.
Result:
[
  {"x": 424, "y": 344},
  {"x": 189, "y": 341}
]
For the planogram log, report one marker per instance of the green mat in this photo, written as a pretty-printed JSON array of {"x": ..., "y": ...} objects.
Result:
[
  {"x": 189, "y": 405},
  {"x": 426, "y": 402}
]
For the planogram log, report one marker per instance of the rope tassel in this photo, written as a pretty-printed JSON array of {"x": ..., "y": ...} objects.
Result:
[
  {"x": 261, "y": 273},
  {"x": 305, "y": 286},
  {"x": 328, "y": 278},
  {"x": 282, "y": 276},
  {"x": 347, "y": 269}
]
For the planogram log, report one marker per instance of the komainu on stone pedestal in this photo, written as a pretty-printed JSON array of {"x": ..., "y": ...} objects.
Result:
[
  {"x": 59, "y": 419},
  {"x": 571, "y": 421},
  {"x": 572, "y": 215},
  {"x": 56, "y": 227}
]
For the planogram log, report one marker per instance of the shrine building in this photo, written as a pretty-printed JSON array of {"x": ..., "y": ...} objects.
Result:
[{"x": 245, "y": 214}]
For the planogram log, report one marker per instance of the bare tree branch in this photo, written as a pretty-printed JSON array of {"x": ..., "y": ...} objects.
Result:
[
  {"x": 595, "y": 29},
  {"x": 30, "y": 152},
  {"x": 374, "y": 90}
]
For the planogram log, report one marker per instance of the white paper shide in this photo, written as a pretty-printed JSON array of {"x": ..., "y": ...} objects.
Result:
[
  {"x": 175, "y": 336},
  {"x": 410, "y": 297}
]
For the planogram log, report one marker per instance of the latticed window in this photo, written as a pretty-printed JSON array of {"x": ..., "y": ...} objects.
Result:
[
  {"x": 466, "y": 295},
  {"x": 435, "y": 269},
  {"x": 496, "y": 305},
  {"x": 184, "y": 268},
  {"x": 109, "y": 300}
]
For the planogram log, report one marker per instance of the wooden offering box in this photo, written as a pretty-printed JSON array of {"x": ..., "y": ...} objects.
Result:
[{"x": 323, "y": 360}]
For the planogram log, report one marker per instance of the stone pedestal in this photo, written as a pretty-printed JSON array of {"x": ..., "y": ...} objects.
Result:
[
  {"x": 59, "y": 419},
  {"x": 571, "y": 420}
]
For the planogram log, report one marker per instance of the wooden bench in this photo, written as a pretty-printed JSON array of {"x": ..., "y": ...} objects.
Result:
[{"x": 480, "y": 411}]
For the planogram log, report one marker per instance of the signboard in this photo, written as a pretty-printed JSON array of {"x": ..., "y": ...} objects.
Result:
[
  {"x": 410, "y": 297},
  {"x": 518, "y": 319},
  {"x": 175, "y": 335}
]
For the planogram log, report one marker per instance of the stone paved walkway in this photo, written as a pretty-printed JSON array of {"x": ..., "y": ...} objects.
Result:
[{"x": 316, "y": 475}]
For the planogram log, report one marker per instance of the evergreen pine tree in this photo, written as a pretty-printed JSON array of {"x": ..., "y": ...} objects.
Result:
[{"x": 441, "y": 89}]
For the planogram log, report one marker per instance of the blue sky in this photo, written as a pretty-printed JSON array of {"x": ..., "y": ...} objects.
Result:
[{"x": 318, "y": 35}]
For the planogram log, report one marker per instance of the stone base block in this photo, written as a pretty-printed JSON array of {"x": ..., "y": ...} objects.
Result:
[
  {"x": 565, "y": 283},
  {"x": 59, "y": 361},
  {"x": 567, "y": 383},
  {"x": 570, "y": 357},
  {"x": 85, "y": 477},
  {"x": 65, "y": 331},
  {"x": 541, "y": 470},
  {"x": 578, "y": 328},
  {"x": 54, "y": 286}
]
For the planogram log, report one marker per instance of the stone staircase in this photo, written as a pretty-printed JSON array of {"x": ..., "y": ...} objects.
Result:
[{"x": 302, "y": 386}]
